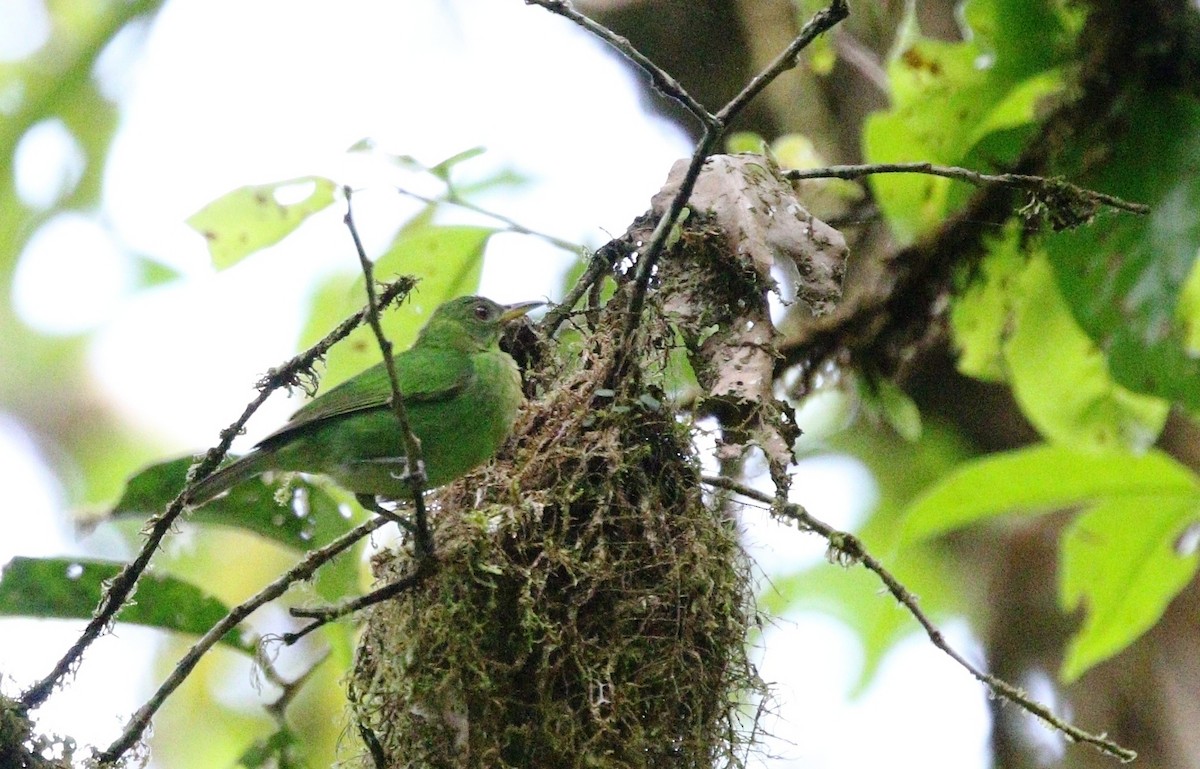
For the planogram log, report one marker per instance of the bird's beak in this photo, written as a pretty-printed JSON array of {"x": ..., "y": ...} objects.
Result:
[{"x": 514, "y": 311}]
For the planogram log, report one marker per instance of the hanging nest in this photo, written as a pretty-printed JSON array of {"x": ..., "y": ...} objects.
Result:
[{"x": 588, "y": 608}]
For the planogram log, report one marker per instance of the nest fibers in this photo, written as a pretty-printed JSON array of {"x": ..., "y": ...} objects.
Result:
[{"x": 587, "y": 609}]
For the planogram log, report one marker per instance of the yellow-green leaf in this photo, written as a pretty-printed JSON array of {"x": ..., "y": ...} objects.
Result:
[
  {"x": 1039, "y": 479},
  {"x": 1121, "y": 562},
  {"x": 253, "y": 217}
]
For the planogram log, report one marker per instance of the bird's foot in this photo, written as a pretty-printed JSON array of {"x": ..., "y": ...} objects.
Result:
[{"x": 404, "y": 472}]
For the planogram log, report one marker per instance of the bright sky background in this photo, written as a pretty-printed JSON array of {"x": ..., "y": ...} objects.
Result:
[{"x": 221, "y": 93}]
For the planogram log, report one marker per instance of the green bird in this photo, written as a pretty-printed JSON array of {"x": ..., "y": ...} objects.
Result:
[{"x": 461, "y": 393}]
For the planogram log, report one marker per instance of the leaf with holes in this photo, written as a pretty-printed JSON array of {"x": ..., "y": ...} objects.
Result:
[{"x": 253, "y": 217}]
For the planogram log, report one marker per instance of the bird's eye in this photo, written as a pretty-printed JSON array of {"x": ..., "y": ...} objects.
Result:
[{"x": 482, "y": 312}]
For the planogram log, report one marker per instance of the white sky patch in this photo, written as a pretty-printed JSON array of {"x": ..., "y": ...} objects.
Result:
[
  {"x": 47, "y": 164},
  {"x": 71, "y": 276}
]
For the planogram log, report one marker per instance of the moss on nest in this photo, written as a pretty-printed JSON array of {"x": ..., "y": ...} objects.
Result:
[{"x": 588, "y": 609}]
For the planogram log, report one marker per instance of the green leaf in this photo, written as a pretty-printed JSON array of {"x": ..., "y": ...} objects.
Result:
[
  {"x": 443, "y": 169},
  {"x": 980, "y": 317},
  {"x": 252, "y": 506},
  {"x": 1120, "y": 561},
  {"x": 256, "y": 216},
  {"x": 1125, "y": 277},
  {"x": 70, "y": 588},
  {"x": 900, "y": 411},
  {"x": 744, "y": 141},
  {"x": 1187, "y": 314},
  {"x": 948, "y": 97},
  {"x": 1040, "y": 479},
  {"x": 1012, "y": 324},
  {"x": 449, "y": 260},
  {"x": 1061, "y": 380},
  {"x": 279, "y": 751}
]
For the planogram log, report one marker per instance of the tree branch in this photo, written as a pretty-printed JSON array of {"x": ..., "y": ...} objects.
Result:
[
  {"x": 122, "y": 586},
  {"x": 326, "y": 614},
  {"x": 660, "y": 79},
  {"x": 1043, "y": 187},
  {"x": 414, "y": 466},
  {"x": 847, "y": 549},
  {"x": 303, "y": 570},
  {"x": 714, "y": 126}
]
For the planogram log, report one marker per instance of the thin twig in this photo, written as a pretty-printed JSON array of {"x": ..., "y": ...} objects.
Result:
[
  {"x": 1036, "y": 184},
  {"x": 849, "y": 549},
  {"x": 714, "y": 126},
  {"x": 714, "y": 129},
  {"x": 414, "y": 467},
  {"x": 327, "y": 614},
  {"x": 512, "y": 224},
  {"x": 303, "y": 570},
  {"x": 598, "y": 265},
  {"x": 121, "y": 588},
  {"x": 821, "y": 22},
  {"x": 662, "y": 81}
]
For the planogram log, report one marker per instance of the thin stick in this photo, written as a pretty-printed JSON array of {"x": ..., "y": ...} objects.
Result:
[
  {"x": 414, "y": 466},
  {"x": 660, "y": 79},
  {"x": 596, "y": 268},
  {"x": 821, "y": 22},
  {"x": 846, "y": 546},
  {"x": 304, "y": 569},
  {"x": 512, "y": 224},
  {"x": 121, "y": 589},
  {"x": 714, "y": 129},
  {"x": 1037, "y": 184},
  {"x": 327, "y": 614},
  {"x": 714, "y": 126}
]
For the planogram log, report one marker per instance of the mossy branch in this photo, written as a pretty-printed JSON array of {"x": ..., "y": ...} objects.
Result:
[
  {"x": 303, "y": 570},
  {"x": 414, "y": 466},
  {"x": 121, "y": 589}
]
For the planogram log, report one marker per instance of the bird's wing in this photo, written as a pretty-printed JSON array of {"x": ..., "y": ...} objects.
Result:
[{"x": 424, "y": 375}]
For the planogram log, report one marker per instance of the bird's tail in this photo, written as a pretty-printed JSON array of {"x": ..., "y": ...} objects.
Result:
[{"x": 227, "y": 477}]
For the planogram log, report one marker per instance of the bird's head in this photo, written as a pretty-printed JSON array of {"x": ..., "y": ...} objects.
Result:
[{"x": 470, "y": 323}]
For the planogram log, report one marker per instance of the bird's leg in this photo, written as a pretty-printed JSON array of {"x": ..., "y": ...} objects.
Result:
[
  {"x": 371, "y": 502},
  {"x": 416, "y": 478}
]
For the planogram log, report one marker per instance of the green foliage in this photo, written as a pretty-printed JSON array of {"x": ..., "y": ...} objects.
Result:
[
  {"x": 253, "y": 217},
  {"x": 275, "y": 752},
  {"x": 885, "y": 401},
  {"x": 951, "y": 100},
  {"x": 1126, "y": 279},
  {"x": 1121, "y": 561},
  {"x": 253, "y": 506},
  {"x": 311, "y": 517},
  {"x": 1093, "y": 329},
  {"x": 1120, "y": 558},
  {"x": 1013, "y": 325},
  {"x": 70, "y": 588}
]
